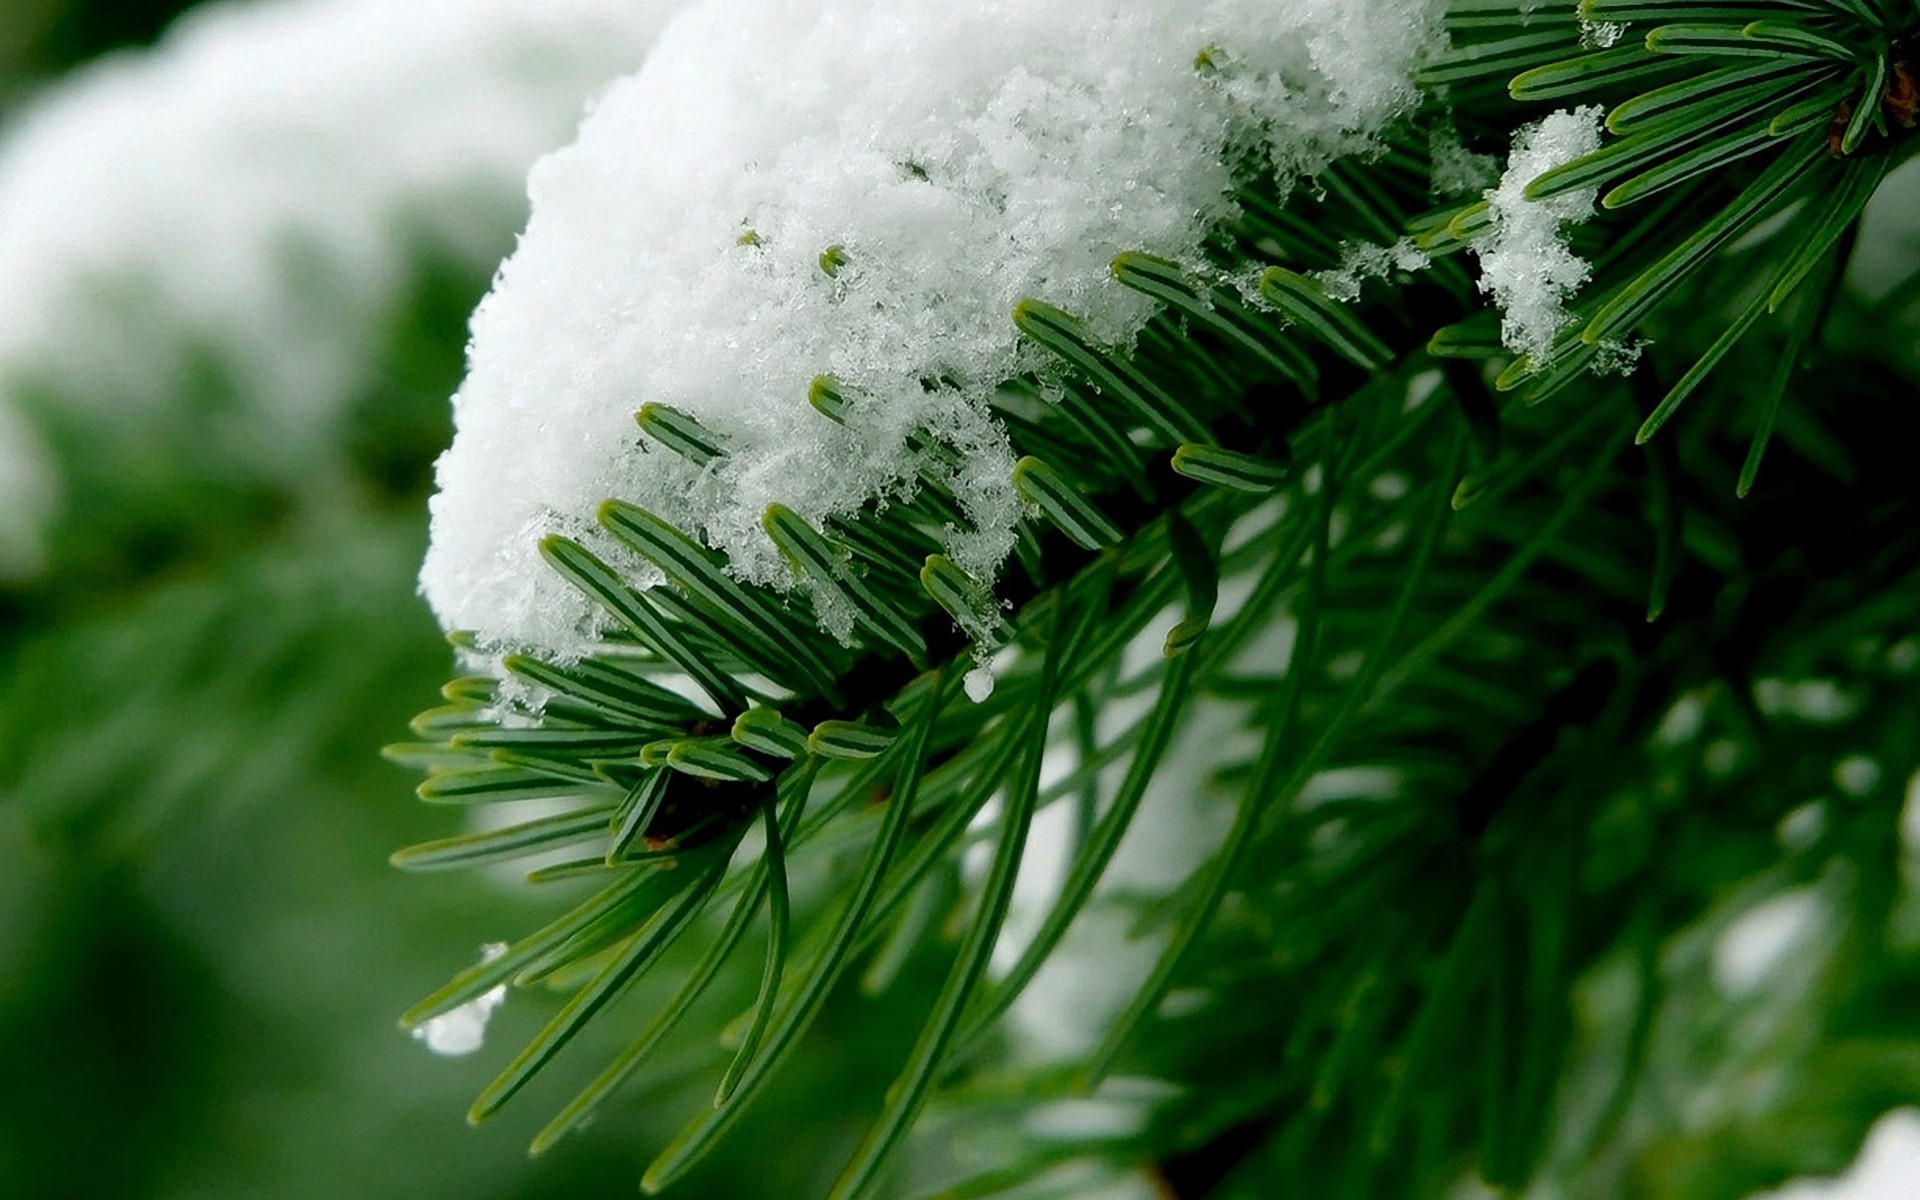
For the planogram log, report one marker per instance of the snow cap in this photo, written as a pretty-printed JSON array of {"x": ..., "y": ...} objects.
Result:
[
  {"x": 250, "y": 193},
  {"x": 954, "y": 158}
]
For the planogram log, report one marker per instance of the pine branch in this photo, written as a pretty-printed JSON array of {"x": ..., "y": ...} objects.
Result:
[{"x": 1469, "y": 579}]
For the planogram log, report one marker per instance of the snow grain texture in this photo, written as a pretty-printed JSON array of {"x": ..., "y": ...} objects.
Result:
[
  {"x": 961, "y": 156},
  {"x": 253, "y": 191},
  {"x": 1525, "y": 263}
]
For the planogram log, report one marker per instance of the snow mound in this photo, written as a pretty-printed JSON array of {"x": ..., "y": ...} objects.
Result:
[
  {"x": 248, "y": 190},
  {"x": 1525, "y": 264},
  {"x": 959, "y": 157}
]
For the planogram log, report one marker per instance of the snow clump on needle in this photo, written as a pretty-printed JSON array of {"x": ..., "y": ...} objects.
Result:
[
  {"x": 1525, "y": 264},
  {"x": 462, "y": 1031},
  {"x": 250, "y": 190},
  {"x": 959, "y": 157}
]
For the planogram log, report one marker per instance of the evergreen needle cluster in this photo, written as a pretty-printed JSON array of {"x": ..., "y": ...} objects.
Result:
[{"x": 1527, "y": 657}]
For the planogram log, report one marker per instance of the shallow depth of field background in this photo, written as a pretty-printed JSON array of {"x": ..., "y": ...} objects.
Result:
[{"x": 202, "y": 947}]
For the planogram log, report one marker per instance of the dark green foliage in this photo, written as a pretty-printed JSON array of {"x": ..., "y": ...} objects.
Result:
[
  {"x": 41, "y": 38},
  {"x": 1496, "y": 603}
]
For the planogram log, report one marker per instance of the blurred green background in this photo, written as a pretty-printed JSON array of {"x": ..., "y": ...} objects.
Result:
[
  {"x": 202, "y": 947},
  {"x": 41, "y": 38}
]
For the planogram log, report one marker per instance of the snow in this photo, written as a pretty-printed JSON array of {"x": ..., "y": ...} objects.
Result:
[
  {"x": 1857, "y": 774},
  {"x": 463, "y": 1030},
  {"x": 1362, "y": 261},
  {"x": 1820, "y": 701},
  {"x": 979, "y": 684},
  {"x": 1525, "y": 264},
  {"x": 1889, "y": 238},
  {"x": 1910, "y": 817},
  {"x": 1888, "y": 1167},
  {"x": 1757, "y": 942},
  {"x": 959, "y": 157},
  {"x": 1100, "y": 963},
  {"x": 1456, "y": 168},
  {"x": 1600, "y": 35},
  {"x": 254, "y": 189}
]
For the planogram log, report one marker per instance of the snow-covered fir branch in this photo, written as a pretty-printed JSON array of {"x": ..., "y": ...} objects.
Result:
[{"x": 954, "y": 158}]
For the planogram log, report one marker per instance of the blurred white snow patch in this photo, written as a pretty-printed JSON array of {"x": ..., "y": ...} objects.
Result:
[
  {"x": 1888, "y": 1166},
  {"x": 463, "y": 1030},
  {"x": 1100, "y": 964},
  {"x": 1084, "y": 985},
  {"x": 960, "y": 156},
  {"x": 1093, "y": 1178},
  {"x": 511, "y": 876},
  {"x": 1801, "y": 828},
  {"x": 27, "y": 491},
  {"x": 1857, "y": 774},
  {"x": 1820, "y": 701},
  {"x": 1910, "y": 817},
  {"x": 1350, "y": 783},
  {"x": 1043, "y": 869},
  {"x": 1525, "y": 264},
  {"x": 249, "y": 190},
  {"x": 1472, "y": 1187},
  {"x": 1086, "y": 1120},
  {"x": 1683, "y": 721},
  {"x": 1889, "y": 238},
  {"x": 1759, "y": 940}
]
